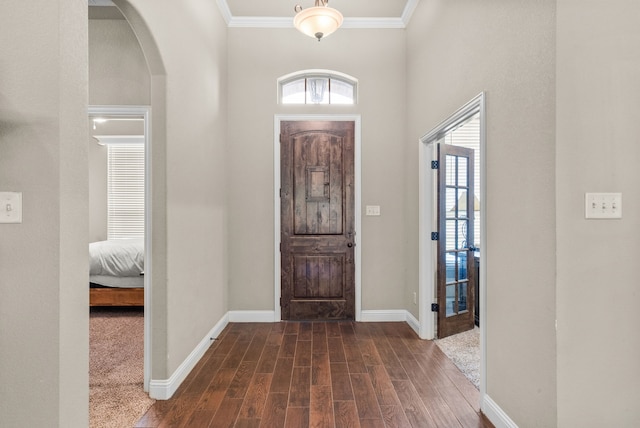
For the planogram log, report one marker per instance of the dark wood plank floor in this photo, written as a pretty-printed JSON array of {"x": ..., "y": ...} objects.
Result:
[{"x": 316, "y": 374}]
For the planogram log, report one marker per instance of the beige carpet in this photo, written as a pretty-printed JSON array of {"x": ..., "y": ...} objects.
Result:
[
  {"x": 464, "y": 350},
  {"x": 116, "y": 396}
]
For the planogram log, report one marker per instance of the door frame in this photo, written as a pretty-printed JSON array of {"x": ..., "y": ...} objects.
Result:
[
  {"x": 276, "y": 197},
  {"x": 137, "y": 111},
  {"x": 427, "y": 251}
]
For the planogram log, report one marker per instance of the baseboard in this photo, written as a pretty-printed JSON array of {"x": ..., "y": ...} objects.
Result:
[
  {"x": 165, "y": 388},
  {"x": 383, "y": 315},
  {"x": 252, "y": 316},
  {"x": 495, "y": 414},
  {"x": 413, "y": 323}
]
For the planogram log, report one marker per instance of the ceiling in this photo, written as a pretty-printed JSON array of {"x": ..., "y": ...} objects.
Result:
[{"x": 279, "y": 13}]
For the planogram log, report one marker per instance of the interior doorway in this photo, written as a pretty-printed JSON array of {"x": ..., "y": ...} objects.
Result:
[
  {"x": 133, "y": 124},
  {"x": 472, "y": 113}
]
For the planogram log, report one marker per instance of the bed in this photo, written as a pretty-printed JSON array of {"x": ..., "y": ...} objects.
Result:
[{"x": 116, "y": 273}]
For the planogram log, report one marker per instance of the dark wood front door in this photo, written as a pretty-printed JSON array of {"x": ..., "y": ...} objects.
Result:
[
  {"x": 456, "y": 272},
  {"x": 317, "y": 220}
]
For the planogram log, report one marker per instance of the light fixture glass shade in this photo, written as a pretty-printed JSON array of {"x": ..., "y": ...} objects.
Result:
[{"x": 318, "y": 21}]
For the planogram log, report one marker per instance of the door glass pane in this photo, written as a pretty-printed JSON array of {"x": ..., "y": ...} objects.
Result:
[
  {"x": 451, "y": 198},
  {"x": 451, "y": 170},
  {"x": 451, "y": 300},
  {"x": 462, "y": 203},
  {"x": 462, "y": 297},
  {"x": 462, "y": 266},
  {"x": 451, "y": 267},
  {"x": 461, "y": 238},
  {"x": 462, "y": 171},
  {"x": 450, "y": 241}
]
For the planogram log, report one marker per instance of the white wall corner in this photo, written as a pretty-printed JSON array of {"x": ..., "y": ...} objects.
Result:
[
  {"x": 495, "y": 414},
  {"x": 252, "y": 316},
  {"x": 163, "y": 389}
]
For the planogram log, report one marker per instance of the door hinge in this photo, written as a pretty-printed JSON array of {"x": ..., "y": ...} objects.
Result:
[
  {"x": 281, "y": 137},
  {"x": 281, "y": 302},
  {"x": 435, "y": 236},
  {"x": 281, "y": 247},
  {"x": 435, "y": 307},
  {"x": 281, "y": 192},
  {"x": 435, "y": 164}
]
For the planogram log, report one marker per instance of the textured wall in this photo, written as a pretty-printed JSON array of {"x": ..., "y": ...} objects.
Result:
[
  {"x": 43, "y": 261},
  {"x": 598, "y": 151},
  {"x": 457, "y": 49},
  {"x": 185, "y": 47}
]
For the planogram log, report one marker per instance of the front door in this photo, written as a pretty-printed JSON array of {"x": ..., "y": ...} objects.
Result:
[
  {"x": 456, "y": 274},
  {"x": 317, "y": 220}
]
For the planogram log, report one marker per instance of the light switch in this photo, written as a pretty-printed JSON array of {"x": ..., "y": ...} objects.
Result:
[
  {"x": 10, "y": 207},
  {"x": 372, "y": 210},
  {"x": 603, "y": 205}
]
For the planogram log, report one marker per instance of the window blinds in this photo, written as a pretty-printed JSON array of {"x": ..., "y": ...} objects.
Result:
[{"x": 125, "y": 191}]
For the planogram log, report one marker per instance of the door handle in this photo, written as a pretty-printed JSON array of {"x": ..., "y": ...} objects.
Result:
[{"x": 350, "y": 244}]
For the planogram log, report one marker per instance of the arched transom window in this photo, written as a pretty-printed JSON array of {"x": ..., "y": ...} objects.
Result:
[{"x": 317, "y": 87}]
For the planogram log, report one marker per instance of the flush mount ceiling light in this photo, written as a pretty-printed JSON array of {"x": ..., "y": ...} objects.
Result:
[{"x": 318, "y": 21}]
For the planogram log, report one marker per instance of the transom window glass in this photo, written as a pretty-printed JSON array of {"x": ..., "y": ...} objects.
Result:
[{"x": 317, "y": 87}]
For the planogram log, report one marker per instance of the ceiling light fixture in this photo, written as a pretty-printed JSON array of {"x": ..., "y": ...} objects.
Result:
[{"x": 318, "y": 21}]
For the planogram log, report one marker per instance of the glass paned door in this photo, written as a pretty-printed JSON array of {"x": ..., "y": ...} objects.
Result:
[{"x": 455, "y": 240}]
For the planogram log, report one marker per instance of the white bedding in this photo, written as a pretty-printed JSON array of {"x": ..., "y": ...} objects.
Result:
[
  {"x": 117, "y": 263},
  {"x": 118, "y": 282}
]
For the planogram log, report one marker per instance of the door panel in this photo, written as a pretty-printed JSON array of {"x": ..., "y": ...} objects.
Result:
[
  {"x": 456, "y": 277},
  {"x": 317, "y": 220}
]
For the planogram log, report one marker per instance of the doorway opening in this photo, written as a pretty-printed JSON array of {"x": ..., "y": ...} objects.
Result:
[
  {"x": 127, "y": 125},
  {"x": 457, "y": 261}
]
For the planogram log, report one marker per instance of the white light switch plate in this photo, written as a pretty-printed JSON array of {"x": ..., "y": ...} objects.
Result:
[
  {"x": 372, "y": 210},
  {"x": 10, "y": 207},
  {"x": 602, "y": 205}
]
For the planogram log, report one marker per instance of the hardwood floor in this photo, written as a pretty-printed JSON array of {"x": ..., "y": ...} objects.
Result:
[{"x": 317, "y": 374}]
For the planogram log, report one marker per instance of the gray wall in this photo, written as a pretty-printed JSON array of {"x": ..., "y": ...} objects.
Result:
[
  {"x": 257, "y": 57},
  {"x": 598, "y": 150},
  {"x": 455, "y": 50},
  {"x": 118, "y": 72},
  {"x": 43, "y": 261},
  {"x": 189, "y": 128}
]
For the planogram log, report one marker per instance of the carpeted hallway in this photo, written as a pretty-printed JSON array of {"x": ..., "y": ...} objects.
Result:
[{"x": 116, "y": 396}]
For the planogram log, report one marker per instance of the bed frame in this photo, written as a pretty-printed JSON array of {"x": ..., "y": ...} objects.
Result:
[{"x": 108, "y": 296}]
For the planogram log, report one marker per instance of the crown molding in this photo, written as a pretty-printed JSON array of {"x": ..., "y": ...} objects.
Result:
[
  {"x": 224, "y": 10},
  {"x": 409, "y": 8},
  {"x": 287, "y": 21}
]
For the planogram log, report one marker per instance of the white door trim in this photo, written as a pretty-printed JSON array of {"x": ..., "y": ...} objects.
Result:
[
  {"x": 276, "y": 198},
  {"x": 137, "y": 111},
  {"x": 427, "y": 216}
]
